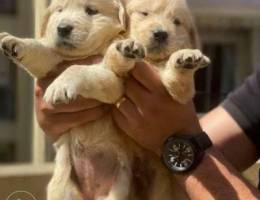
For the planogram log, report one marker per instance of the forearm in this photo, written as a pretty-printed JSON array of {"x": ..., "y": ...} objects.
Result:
[
  {"x": 215, "y": 178},
  {"x": 228, "y": 138}
]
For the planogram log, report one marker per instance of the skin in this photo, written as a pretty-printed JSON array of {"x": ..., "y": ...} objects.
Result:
[
  {"x": 148, "y": 109},
  {"x": 228, "y": 138}
]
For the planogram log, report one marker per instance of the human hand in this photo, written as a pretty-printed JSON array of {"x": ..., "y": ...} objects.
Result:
[
  {"x": 57, "y": 119},
  {"x": 149, "y": 114}
]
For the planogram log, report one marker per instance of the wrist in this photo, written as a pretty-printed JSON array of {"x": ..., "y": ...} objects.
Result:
[
  {"x": 192, "y": 129},
  {"x": 207, "y": 160}
]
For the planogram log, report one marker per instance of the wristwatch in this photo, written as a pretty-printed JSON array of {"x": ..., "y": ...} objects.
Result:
[{"x": 182, "y": 153}]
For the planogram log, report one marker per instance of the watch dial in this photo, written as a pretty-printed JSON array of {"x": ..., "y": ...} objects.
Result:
[{"x": 180, "y": 155}]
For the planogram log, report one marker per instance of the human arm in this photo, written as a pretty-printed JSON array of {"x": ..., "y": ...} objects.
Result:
[
  {"x": 234, "y": 126},
  {"x": 229, "y": 138},
  {"x": 56, "y": 120},
  {"x": 158, "y": 117},
  {"x": 215, "y": 178}
]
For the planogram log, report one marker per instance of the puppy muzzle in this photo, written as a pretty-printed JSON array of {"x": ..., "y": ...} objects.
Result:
[{"x": 64, "y": 30}]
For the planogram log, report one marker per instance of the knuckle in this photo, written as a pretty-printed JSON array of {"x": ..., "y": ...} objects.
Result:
[
  {"x": 38, "y": 92},
  {"x": 45, "y": 108}
]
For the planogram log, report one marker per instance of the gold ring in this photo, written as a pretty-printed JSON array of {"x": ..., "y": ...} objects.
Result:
[{"x": 119, "y": 103}]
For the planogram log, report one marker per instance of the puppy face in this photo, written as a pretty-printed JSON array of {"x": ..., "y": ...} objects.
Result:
[
  {"x": 77, "y": 27},
  {"x": 162, "y": 26}
]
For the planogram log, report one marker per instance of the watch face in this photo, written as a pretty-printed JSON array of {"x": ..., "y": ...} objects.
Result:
[{"x": 179, "y": 155}]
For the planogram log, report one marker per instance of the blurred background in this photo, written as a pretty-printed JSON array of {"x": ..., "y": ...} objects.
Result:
[{"x": 230, "y": 34}]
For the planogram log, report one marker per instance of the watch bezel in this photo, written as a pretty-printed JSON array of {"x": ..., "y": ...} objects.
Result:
[{"x": 197, "y": 152}]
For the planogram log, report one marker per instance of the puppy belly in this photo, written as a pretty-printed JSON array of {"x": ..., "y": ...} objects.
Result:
[
  {"x": 96, "y": 149},
  {"x": 96, "y": 173}
]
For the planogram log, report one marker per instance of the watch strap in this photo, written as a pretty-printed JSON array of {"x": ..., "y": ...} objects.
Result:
[{"x": 203, "y": 141}]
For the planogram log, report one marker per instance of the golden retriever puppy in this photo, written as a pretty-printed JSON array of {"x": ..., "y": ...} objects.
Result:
[
  {"x": 71, "y": 30},
  {"x": 107, "y": 163},
  {"x": 97, "y": 161},
  {"x": 166, "y": 30}
]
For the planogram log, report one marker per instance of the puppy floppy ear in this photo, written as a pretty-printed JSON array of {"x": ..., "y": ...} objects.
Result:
[
  {"x": 122, "y": 13},
  {"x": 194, "y": 36},
  {"x": 45, "y": 22},
  {"x": 182, "y": 7},
  {"x": 47, "y": 15}
]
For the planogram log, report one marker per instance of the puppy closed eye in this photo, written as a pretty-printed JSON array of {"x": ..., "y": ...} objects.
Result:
[
  {"x": 144, "y": 13},
  {"x": 177, "y": 22},
  {"x": 91, "y": 11},
  {"x": 59, "y": 9}
]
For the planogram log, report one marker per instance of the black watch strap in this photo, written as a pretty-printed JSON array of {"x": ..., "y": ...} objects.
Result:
[{"x": 203, "y": 141}]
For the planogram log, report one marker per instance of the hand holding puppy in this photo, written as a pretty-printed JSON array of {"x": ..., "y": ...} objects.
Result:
[{"x": 148, "y": 114}]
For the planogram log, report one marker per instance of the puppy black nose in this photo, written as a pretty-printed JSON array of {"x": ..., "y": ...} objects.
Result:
[
  {"x": 64, "y": 30},
  {"x": 160, "y": 36}
]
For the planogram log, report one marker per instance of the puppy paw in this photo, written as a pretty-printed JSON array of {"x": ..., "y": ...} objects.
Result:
[
  {"x": 60, "y": 92},
  {"x": 189, "y": 59},
  {"x": 12, "y": 47},
  {"x": 131, "y": 49}
]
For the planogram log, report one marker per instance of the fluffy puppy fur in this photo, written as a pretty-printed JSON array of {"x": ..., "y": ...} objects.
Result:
[
  {"x": 97, "y": 161},
  {"x": 94, "y": 25}
]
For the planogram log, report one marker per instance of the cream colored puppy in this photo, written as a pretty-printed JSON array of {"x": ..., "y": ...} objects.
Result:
[
  {"x": 72, "y": 30},
  {"x": 167, "y": 31},
  {"x": 164, "y": 34},
  {"x": 108, "y": 165}
]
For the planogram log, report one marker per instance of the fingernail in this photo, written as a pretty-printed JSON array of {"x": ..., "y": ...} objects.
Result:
[{"x": 120, "y": 102}]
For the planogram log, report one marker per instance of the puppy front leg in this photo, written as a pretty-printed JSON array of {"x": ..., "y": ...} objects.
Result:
[
  {"x": 31, "y": 54},
  {"x": 121, "y": 56},
  {"x": 94, "y": 82},
  {"x": 178, "y": 76}
]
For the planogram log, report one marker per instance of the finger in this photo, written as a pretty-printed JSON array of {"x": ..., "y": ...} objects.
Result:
[
  {"x": 80, "y": 104},
  {"x": 67, "y": 121},
  {"x": 130, "y": 111},
  {"x": 121, "y": 120},
  {"x": 136, "y": 92},
  {"x": 147, "y": 75},
  {"x": 42, "y": 84},
  {"x": 84, "y": 116}
]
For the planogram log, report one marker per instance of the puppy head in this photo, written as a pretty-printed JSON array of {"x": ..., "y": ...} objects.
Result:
[
  {"x": 162, "y": 26},
  {"x": 78, "y": 28}
]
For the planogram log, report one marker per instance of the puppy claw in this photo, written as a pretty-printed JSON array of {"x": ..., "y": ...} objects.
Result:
[
  {"x": 58, "y": 93},
  {"x": 131, "y": 49}
]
